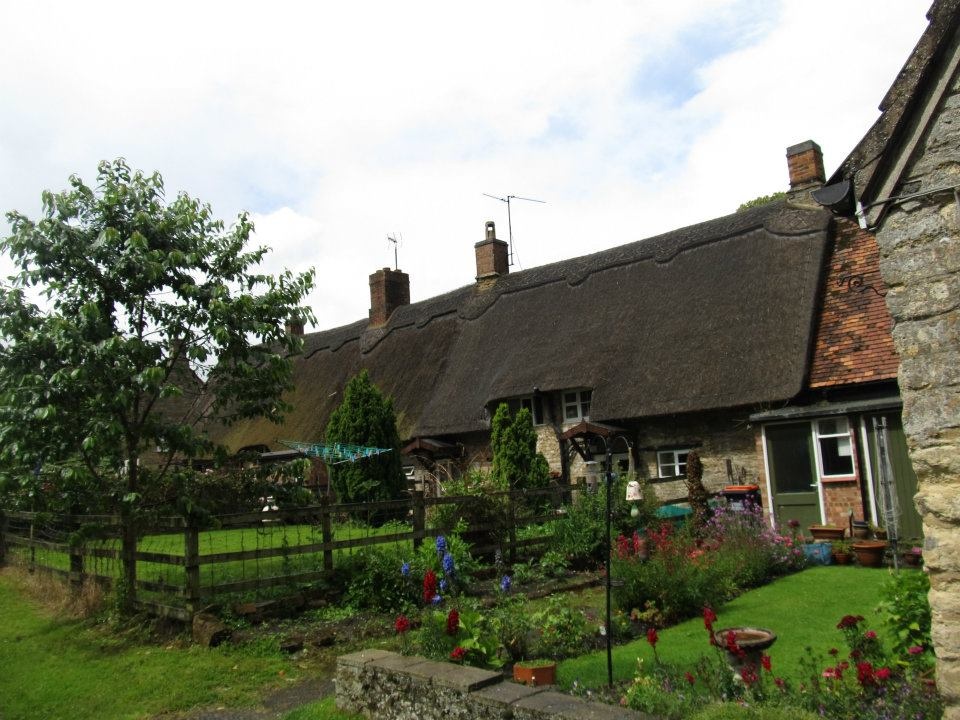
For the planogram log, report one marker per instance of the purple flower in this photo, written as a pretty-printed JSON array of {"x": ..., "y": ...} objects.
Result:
[
  {"x": 448, "y": 565},
  {"x": 436, "y": 600},
  {"x": 505, "y": 583},
  {"x": 405, "y": 569},
  {"x": 441, "y": 544},
  {"x": 443, "y": 585}
]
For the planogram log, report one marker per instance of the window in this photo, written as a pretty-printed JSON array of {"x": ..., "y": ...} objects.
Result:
[
  {"x": 533, "y": 404},
  {"x": 576, "y": 405},
  {"x": 836, "y": 449},
  {"x": 672, "y": 463}
]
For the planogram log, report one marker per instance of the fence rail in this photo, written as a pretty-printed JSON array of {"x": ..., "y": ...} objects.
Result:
[{"x": 181, "y": 565}]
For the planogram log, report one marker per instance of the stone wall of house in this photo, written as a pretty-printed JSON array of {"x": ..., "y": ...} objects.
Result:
[
  {"x": 382, "y": 684},
  {"x": 920, "y": 262}
]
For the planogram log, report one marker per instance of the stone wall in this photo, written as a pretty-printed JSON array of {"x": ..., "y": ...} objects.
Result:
[
  {"x": 920, "y": 262},
  {"x": 383, "y": 684}
]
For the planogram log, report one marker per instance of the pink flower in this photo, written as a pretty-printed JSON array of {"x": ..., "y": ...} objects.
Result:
[
  {"x": 765, "y": 661},
  {"x": 915, "y": 649},
  {"x": 870, "y": 635}
]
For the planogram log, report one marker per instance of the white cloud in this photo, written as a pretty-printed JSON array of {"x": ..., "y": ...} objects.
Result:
[{"x": 336, "y": 125}]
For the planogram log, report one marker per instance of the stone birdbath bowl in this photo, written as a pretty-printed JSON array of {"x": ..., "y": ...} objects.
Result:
[{"x": 747, "y": 645}]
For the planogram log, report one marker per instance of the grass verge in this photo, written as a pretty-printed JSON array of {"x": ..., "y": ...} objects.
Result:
[{"x": 56, "y": 667}]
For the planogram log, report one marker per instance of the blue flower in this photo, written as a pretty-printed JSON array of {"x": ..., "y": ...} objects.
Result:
[
  {"x": 448, "y": 565},
  {"x": 443, "y": 585},
  {"x": 405, "y": 569},
  {"x": 441, "y": 544},
  {"x": 505, "y": 583},
  {"x": 436, "y": 600}
]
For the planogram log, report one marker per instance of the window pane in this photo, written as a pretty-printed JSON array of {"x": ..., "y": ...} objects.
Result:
[
  {"x": 789, "y": 452},
  {"x": 836, "y": 455},
  {"x": 570, "y": 397},
  {"x": 585, "y": 409},
  {"x": 570, "y": 412},
  {"x": 832, "y": 426}
]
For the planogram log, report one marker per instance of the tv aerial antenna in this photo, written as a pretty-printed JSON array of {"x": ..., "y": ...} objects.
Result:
[
  {"x": 396, "y": 239},
  {"x": 507, "y": 200}
]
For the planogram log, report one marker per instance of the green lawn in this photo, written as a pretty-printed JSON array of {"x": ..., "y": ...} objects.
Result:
[
  {"x": 802, "y": 609},
  {"x": 59, "y": 668}
]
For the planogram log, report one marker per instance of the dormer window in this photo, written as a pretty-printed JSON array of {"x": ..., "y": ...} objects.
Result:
[
  {"x": 576, "y": 405},
  {"x": 533, "y": 404}
]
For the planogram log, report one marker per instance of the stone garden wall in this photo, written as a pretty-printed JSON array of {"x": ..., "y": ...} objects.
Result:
[{"x": 382, "y": 684}]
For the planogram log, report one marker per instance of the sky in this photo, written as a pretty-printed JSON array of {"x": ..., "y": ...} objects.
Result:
[{"x": 336, "y": 125}]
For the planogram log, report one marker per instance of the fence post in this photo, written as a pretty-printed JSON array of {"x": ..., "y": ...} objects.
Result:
[
  {"x": 419, "y": 518},
  {"x": 512, "y": 529},
  {"x": 326, "y": 527},
  {"x": 191, "y": 563}
]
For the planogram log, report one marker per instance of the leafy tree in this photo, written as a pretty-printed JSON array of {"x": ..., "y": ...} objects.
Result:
[
  {"x": 366, "y": 417},
  {"x": 132, "y": 321},
  {"x": 516, "y": 462},
  {"x": 762, "y": 200}
]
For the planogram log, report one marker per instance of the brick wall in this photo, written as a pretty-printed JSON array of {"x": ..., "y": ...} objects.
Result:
[{"x": 853, "y": 341}]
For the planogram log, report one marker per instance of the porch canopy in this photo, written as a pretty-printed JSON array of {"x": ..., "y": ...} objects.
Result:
[
  {"x": 582, "y": 431},
  {"x": 799, "y": 412}
]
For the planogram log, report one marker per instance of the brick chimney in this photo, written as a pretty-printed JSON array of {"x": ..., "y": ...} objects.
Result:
[
  {"x": 492, "y": 260},
  {"x": 389, "y": 289},
  {"x": 805, "y": 162},
  {"x": 294, "y": 327}
]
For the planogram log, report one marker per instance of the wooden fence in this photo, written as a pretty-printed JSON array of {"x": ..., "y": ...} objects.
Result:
[{"x": 181, "y": 566}]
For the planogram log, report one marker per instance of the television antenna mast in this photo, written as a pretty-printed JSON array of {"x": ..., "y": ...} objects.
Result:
[
  {"x": 507, "y": 200},
  {"x": 396, "y": 244}
]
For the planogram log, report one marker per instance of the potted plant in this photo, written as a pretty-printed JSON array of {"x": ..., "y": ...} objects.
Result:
[
  {"x": 827, "y": 532},
  {"x": 870, "y": 553},
  {"x": 860, "y": 529},
  {"x": 840, "y": 552},
  {"x": 913, "y": 556},
  {"x": 535, "y": 672}
]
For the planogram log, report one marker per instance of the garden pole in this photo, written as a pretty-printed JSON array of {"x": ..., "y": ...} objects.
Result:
[{"x": 609, "y": 630}]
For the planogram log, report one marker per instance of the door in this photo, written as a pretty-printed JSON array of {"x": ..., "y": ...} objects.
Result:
[
  {"x": 793, "y": 476},
  {"x": 904, "y": 479}
]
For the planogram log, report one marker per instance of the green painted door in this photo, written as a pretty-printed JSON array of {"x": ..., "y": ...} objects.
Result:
[
  {"x": 905, "y": 480},
  {"x": 793, "y": 474}
]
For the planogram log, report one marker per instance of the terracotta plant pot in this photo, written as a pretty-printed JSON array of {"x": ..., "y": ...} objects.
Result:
[
  {"x": 841, "y": 558},
  {"x": 870, "y": 552},
  {"x": 861, "y": 529},
  {"x": 540, "y": 673},
  {"x": 827, "y": 532}
]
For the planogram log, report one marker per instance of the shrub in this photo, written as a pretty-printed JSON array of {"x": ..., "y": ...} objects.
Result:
[
  {"x": 907, "y": 611},
  {"x": 561, "y": 630}
]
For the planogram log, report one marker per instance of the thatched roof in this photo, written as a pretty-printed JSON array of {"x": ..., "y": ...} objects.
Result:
[{"x": 709, "y": 316}]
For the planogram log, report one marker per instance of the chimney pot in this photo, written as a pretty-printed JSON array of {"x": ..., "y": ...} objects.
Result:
[
  {"x": 294, "y": 327},
  {"x": 492, "y": 258}
]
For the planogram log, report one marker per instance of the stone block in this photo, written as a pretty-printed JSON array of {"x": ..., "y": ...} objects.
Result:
[
  {"x": 927, "y": 300},
  {"x": 362, "y": 657},
  {"x": 464, "y": 678},
  {"x": 557, "y": 706}
]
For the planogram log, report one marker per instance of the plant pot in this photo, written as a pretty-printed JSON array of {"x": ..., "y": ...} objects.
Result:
[
  {"x": 841, "y": 558},
  {"x": 861, "y": 529},
  {"x": 544, "y": 673},
  {"x": 827, "y": 532},
  {"x": 912, "y": 559},
  {"x": 870, "y": 552},
  {"x": 750, "y": 641}
]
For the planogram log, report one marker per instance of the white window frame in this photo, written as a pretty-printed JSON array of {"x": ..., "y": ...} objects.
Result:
[
  {"x": 818, "y": 436},
  {"x": 674, "y": 462},
  {"x": 581, "y": 401}
]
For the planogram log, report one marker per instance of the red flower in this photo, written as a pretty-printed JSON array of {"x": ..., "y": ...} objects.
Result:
[
  {"x": 652, "y": 637},
  {"x": 865, "y": 673},
  {"x": 458, "y": 654},
  {"x": 732, "y": 643},
  {"x": 748, "y": 673},
  {"x": 690, "y": 678},
  {"x": 623, "y": 547},
  {"x": 915, "y": 649},
  {"x": 401, "y": 624},
  {"x": 870, "y": 635},
  {"x": 709, "y": 618},
  {"x": 429, "y": 586},
  {"x": 849, "y": 621},
  {"x": 765, "y": 661},
  {"x": 882, "y": 673},
  {"x": 779, "y": 682},
  {"x": 834, "y": 652},
  {"x": 453, "y": 622}
]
